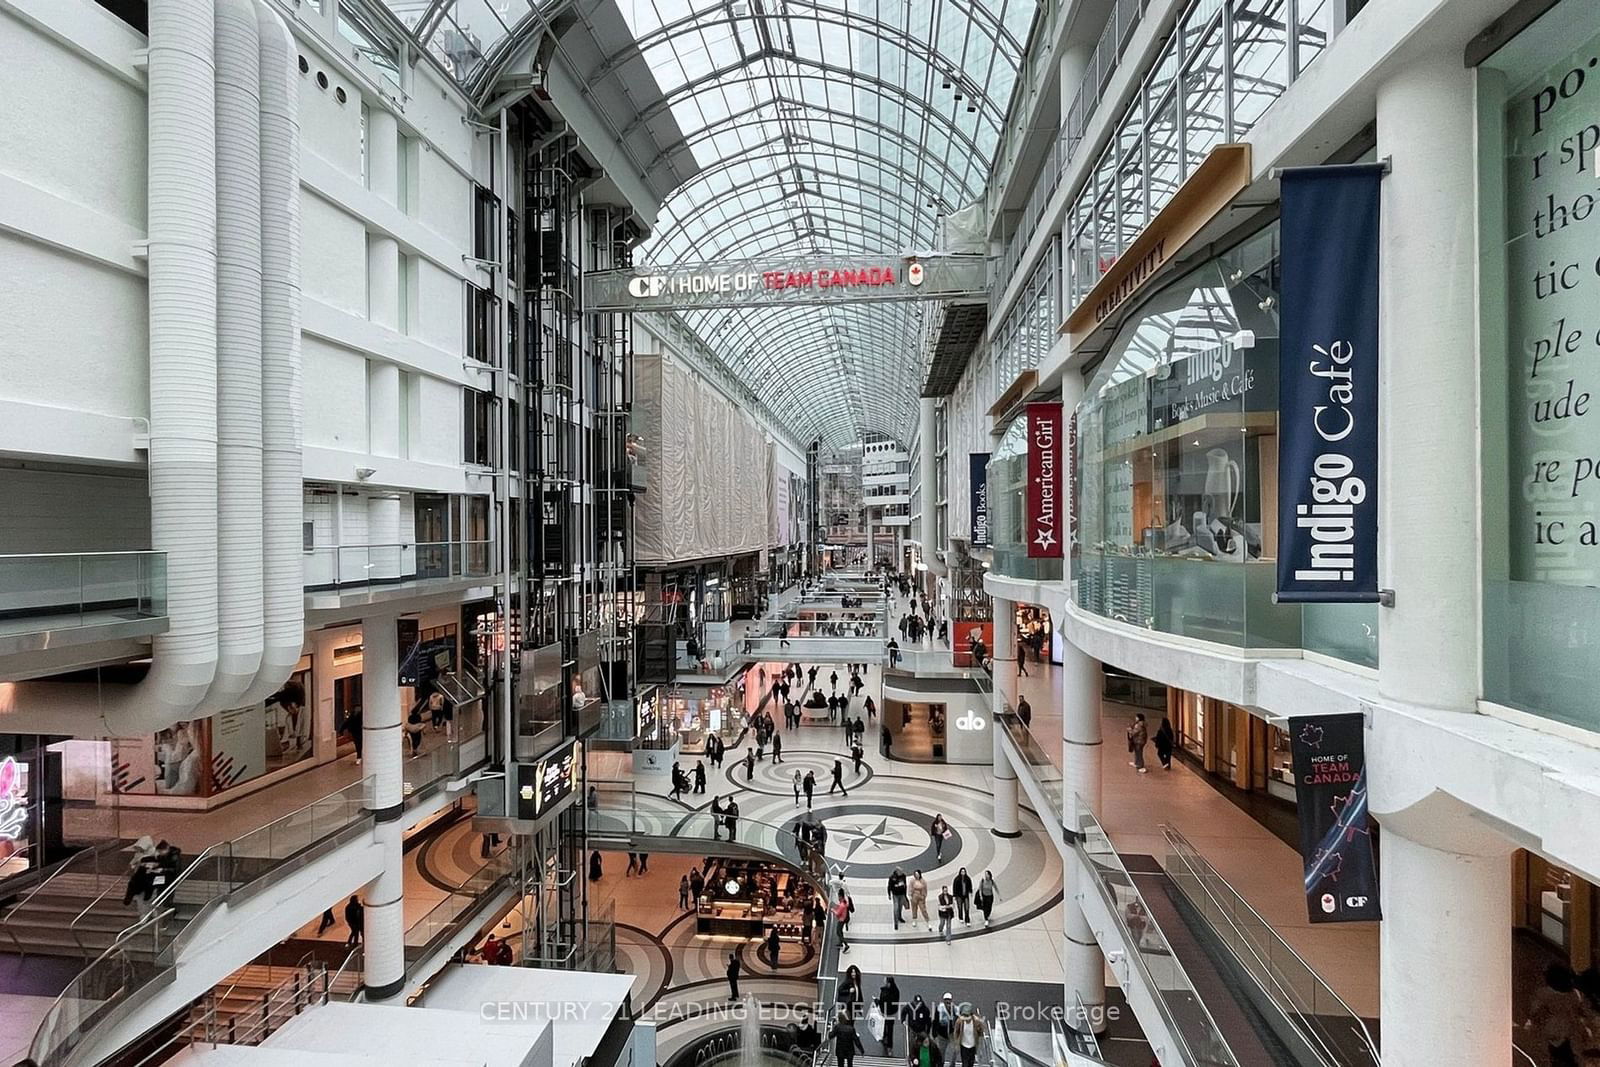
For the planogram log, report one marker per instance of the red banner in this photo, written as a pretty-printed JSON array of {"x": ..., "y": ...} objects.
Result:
[{"x": 1046, "y": 482}]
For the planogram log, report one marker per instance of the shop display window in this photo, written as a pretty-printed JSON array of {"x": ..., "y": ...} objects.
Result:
[
  {"x": 1177, "y": 469},
  {"x": 1538, "y": 297}
]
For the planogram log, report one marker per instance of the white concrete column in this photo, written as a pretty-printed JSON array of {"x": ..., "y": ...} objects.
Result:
[
  {"x": 1085, "y": 978},
  {"x": 926, "y": 416},
  {"x": 1428, "y": 508},
  {"x": 867, "y": 511},
  {"x": 385, "y": 963},
  {"x": 383, "y": 151},
  {"x": 1073, "y": 62},
  {"x": 384, "y": 537},
  {"x": 1006, "y": 820},
  {"x": 1445, "y": 951}
]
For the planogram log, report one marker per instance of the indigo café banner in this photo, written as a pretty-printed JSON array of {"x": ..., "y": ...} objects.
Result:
[
  {"x": 1328, "y": 386},
  {"x": 1330, "y": 776}
]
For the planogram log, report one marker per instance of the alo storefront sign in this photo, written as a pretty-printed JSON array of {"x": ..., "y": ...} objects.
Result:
[
  {"x": 978, "y": 487},
  {"x": 1046, "y": 473},
  {"x": 1328, "y": 389},
  {"x": 1330, "y": 774}
]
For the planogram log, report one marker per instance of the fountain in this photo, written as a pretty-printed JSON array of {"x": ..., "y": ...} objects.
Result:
[{"x": 750, "y": 1054}]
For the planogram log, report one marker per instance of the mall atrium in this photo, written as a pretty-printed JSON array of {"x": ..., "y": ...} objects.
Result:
[{"x": 799, "y": 533}]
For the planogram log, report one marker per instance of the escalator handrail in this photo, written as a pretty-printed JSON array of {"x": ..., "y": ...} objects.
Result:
[{"x": 1180, "y": 846}]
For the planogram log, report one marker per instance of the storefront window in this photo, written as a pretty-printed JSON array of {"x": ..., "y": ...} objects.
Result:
[
  {"x": 1539, "y": 292},
  {"x": 1177, "y": 468}
]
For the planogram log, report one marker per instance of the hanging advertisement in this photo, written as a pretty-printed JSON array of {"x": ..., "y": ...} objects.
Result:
[
  {"x": 978, "y": 488},
  {"x": 542, "y": 787},
  {"x": 1328, "y": 386},
  {"x": 1045, "y": 485},
  {"x": 1330, "y": 774}
]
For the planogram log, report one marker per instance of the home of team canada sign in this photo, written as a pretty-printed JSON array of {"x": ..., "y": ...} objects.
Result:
[{"x": 1045, "y": 483}]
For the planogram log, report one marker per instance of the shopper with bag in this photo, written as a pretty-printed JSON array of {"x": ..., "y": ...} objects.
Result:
[
  {"x": 986, "y": 896},
  {"x": 939, "y": 830},
  {"x": 887, "y": 1006}
]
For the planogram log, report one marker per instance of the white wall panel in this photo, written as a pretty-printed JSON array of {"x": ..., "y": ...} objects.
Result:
[
  {"x": 329, "y": 129},
  {"x": 102, "y": 163},
  {"x": 446, "y": 196},
  {"x": 75, "y": 333},
  {"x": 335, "y": 396},
  {"x": 440, "y": 440},
  {"x": 443, "y": 311},
  {"x": 333, "y": 257}
]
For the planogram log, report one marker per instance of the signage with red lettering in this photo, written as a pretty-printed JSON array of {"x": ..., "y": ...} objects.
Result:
[{"x": 1046, "y": 472}]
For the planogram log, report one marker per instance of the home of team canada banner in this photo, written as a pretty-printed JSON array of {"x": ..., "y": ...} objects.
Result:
[{"x": 647, "y": 286}]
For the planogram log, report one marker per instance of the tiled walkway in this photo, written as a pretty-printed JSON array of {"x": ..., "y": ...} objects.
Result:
[{"x": 1264, "y": 870}]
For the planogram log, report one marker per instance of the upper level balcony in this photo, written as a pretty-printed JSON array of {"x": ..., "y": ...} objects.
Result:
[
  {"x": 48, "y": 600},
  {"x": 346, "y": 575}
]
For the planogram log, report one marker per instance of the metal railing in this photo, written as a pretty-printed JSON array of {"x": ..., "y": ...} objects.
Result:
[
  {"x": 1333, "y": 1031},
  {"x": 1187, "y": 1018},
  {"x": 307, "y": 987},
  {"x": 445, "y": 919},
  {"x": 101, "y": 861},
  {"x": 1044, "y": 770},
  {"x": 1103, "y": 61},
  {"x": 339, "y": 565},
  {"x": 49, "y": 590}
]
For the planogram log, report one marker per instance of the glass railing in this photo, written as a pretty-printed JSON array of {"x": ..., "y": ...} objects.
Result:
[
  {"x": 342, "y": 565},
  {"x": 148, "y": 948},
  {"x": 1068, "y": 1056},
  {"x": 1149, "y": 952},
  {"x": 51, "y": 591},
  {"x": 445, "y": 918},
  {"x": 1335, "y": 1033},
  {"x": 1041, "y": 768}
]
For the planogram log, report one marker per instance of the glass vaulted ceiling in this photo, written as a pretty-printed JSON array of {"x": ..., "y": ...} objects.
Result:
[{"x": 827, "y": 131}]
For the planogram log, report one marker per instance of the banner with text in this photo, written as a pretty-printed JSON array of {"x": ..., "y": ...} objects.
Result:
[
  {"x": 1045, "y": 482},
  {"x": 1328, "y": 386},
  {"x": 1330, "y": 776},
  {"x": 978, "y": 490}
]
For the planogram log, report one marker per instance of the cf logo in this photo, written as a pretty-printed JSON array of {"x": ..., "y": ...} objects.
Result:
[
  {"x": 971, "y": 721},
  {"x": 646, "y": 286}
]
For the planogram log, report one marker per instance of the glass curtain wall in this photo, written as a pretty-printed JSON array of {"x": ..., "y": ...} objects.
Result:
[{"x": 1178, "y": 472}]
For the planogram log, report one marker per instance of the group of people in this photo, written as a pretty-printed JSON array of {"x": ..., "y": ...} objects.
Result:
[
  {"x": 1565, "y": 1015},
  {"x": 955, "y": 901},
  {"x": 914, "y": 625},
  {"x": 936, "y": 1034},
  {"x": 1139, "y": 736},
  {"x": 151, "y": 869}
]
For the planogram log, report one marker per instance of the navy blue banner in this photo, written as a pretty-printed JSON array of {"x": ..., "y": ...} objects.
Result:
[
  {"x": 978, "y": 490},
  {"x": 1330, "y": 784},
  {"x": 1328, "y": 386}
]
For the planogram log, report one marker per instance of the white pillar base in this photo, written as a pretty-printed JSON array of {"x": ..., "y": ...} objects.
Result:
[{"x": 1084, "y": 978}]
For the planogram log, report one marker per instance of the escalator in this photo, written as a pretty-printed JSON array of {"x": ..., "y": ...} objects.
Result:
[{"x": 1210, "y": 982}]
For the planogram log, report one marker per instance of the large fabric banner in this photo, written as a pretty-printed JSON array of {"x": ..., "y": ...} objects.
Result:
[
  {"x": 1045, "y": 482},
  {"x": 978, "y": 490},
  {"x": 1330, "y": 776},
  {"x": 1328, "y": 386}
]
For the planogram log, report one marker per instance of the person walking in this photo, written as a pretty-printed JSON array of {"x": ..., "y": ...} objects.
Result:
[
  {"x": 897, "y": 894},
  {"x": 894, "y": 653},
  {"x": 842, "y": 910},
  {"x": 1138, "y": 737},
  {"x": 833, "y": 681},
  {"x": 731, "y": 817},
  {"x": 939, "y": 830},
  {"x": 838, "y": 779},
  {"x": 697, "y": 885},
  {"x": 352, "y": 726},
  {"x": 888, "y": 1001},
  {"x": 961, "y": 889},
  {"x": 986, "y": 895},
  {"x": 326, "y": 921},
  {"x": 683, "y": 893},
  {"x": 1165, "y": 739},
  {"x": 857, "y": 753},
  {"x": 872, "y": 709},
  {"x": 777, "y": 748},
  {"x": 1025, "y": 711},
  {"x": 733, "y": 976},
  {"x": 970, "y": 1030},
  {"x": 947, "y": 912},
  {"x": 679, "y": 782},
  {"x": 718, "y": 816},
  {"x": 749, "y": 764},
  {"x": 594, "y": 866},
  {"x": 699, "y": 776},
  {"x": 917, "y": 893},
  {"x": 810, "y": 785},
  {"x": 633, "y": 865},
  {"x": 355, "y": 917},
  {"x": 798, "y": 782},
  {"x": 846, "y": 1042},
  {"x": 1022, "y": 661}
]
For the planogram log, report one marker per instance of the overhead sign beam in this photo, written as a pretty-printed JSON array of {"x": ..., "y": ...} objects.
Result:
[{"x": 788, "y": 283}]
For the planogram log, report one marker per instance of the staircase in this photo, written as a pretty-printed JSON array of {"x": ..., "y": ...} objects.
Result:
[{"x": 258, "y": 998}]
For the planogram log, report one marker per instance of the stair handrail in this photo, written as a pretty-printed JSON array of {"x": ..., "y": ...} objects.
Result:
[
  {"x": 1180, "y": 848},
  {"x": 354, "y": 956},
  {"x": 94, "y": 850}
]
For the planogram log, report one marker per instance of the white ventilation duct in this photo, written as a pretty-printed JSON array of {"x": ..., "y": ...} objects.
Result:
[
  {"x": 281, "y": 428},
  {"x": 259, "y": 396},
  {"x": 927, "y": 417},
  {"x": 239, "y": 339}
]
